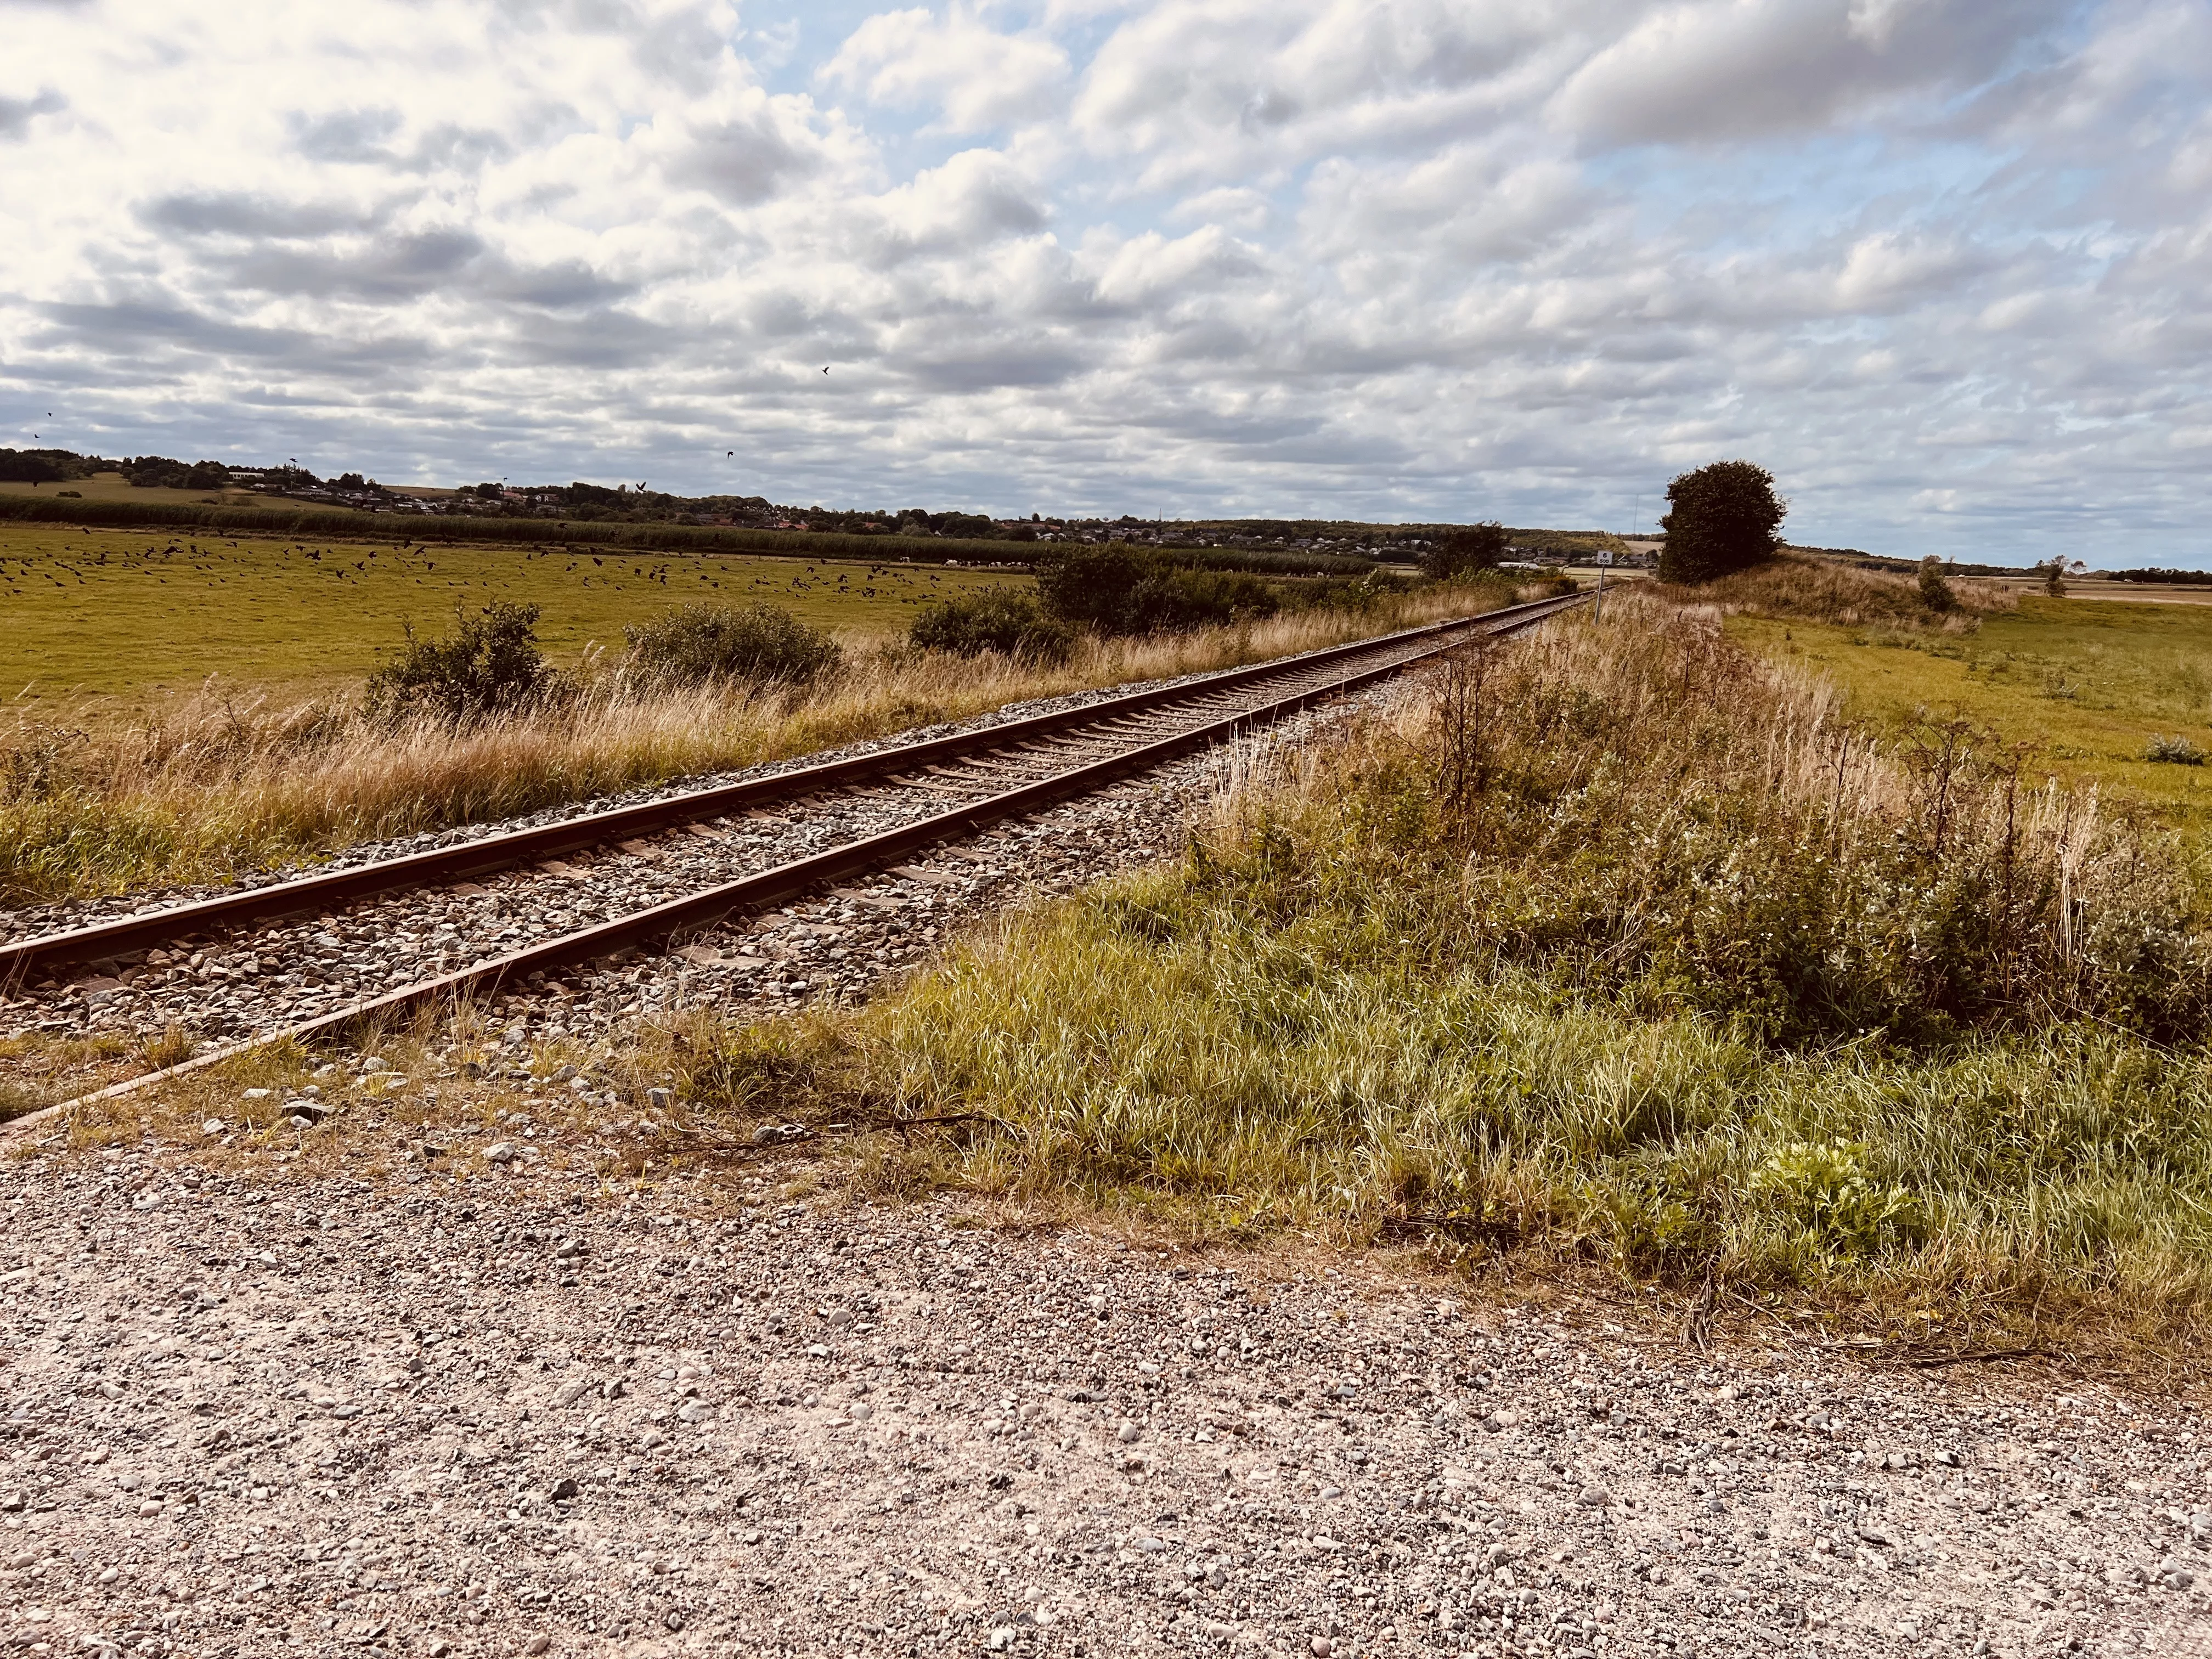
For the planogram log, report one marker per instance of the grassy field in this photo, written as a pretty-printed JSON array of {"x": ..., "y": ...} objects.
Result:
[
  {"x": 112, "y": 487},
  {"x": 2084, "y": 683},
  {"x": 134, "y": 615}
]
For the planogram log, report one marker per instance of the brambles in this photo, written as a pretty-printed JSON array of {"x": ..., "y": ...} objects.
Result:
[
  {"x": 1008, "y": 623},
  {"x": 1724, "y": 519},
  {"x": 491, "y": 665},
  {"x": 754, "y": 644}
]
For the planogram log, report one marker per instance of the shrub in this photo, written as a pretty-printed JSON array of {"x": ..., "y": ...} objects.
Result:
[
  {"x": 491, "y": 665},
  {"x": 1008, "y": 623},
  {"x": 1935, "y": 593},
  {"x": 1459, "y": 552},
  {"x": 1353, "y": 593},
  {"x": 2176, "y": 751},
  {"x": 1092, "y": 586},
  {"x": 1119, "y": 590},
  {"x": 1724, "y": 518},
  {"x": 1172, "y": 600},
  {"x": 699, "y": 644}
]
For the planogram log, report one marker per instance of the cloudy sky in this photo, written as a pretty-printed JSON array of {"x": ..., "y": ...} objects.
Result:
[{"x": 1942, "y": 264}]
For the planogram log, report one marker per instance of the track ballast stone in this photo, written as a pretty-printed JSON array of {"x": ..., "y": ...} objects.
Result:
[{"x": 519, "y": 1414}]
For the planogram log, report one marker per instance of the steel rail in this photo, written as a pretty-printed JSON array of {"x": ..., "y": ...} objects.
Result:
[
  {"x": 665, "y": 922},
  {"x": 443, "y": 865}
]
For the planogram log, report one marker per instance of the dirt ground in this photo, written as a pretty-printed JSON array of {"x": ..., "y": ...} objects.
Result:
[{"x": 250, "y": 1407}]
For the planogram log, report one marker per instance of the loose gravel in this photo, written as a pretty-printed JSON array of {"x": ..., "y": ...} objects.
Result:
[{"x": 526, "y": 1413}]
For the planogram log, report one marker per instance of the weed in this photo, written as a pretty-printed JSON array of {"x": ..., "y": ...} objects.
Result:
[
  {"x": 173, "y": 1046},
  {"x": 2173, "y": 750},
  {"x": 1823, "y": 1189}
]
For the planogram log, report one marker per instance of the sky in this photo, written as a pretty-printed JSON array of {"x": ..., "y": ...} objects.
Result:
[{"x": 1943, "y": 265}]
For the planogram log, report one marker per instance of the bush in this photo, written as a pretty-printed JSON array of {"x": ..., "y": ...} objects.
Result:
[
  {"x": 1935, "y": 593},
  {"x": 1008, "y": 623},
  {"x": 1359, "y": 593},
  {"x": 1119, "y": 590},
  {"x": 699, "y": 643},
  {"x": 1459, "y": 552},
  {"x": 491, "y": 665},
  {"x": 1724, "y": 519},
  {"x": 1092, "y": 586},
  {"x": 2176, "y": 751}
]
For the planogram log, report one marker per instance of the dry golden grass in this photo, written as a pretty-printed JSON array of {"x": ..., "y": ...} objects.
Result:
[
  {"x": 218, "y": 783},
  {"x": 1804, "y": 588}
]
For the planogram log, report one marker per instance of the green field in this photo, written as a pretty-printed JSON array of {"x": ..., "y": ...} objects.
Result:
[
  {"x": 2084, "y": 683},
  {"x": 133, "y": 614},
  {"x": 112, "y": 487}
]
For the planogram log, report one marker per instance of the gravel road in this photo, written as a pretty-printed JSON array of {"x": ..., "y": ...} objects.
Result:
[{"x": 523, "y": 1410}]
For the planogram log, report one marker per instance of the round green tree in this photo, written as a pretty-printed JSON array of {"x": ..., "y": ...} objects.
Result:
[{"x": 1724, "y": 519}]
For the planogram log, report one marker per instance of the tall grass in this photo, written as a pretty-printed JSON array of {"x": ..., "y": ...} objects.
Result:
[
  {"x": 220, "y": 782},
  {"x": 1802, "y": 587},
  {"x": 1614, "y": 944}
]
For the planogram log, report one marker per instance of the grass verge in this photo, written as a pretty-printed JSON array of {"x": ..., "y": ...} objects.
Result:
[{"x": 1615, "y": 949}]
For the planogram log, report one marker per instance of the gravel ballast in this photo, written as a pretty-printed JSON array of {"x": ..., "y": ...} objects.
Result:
[{"x": 512, "y": 1413}]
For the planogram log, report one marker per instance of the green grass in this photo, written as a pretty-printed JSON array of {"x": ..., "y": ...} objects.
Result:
[
  {"x": 132, "y": 615},
  {"x": 113, "y": 487},
  {"x": 1610, "y": 951},
  {"x": 2084, "y": 684}
]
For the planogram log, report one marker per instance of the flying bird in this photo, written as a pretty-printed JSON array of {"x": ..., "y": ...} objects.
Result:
[{"x": 825, "y": 370}]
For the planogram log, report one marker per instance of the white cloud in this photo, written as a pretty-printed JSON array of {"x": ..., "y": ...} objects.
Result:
[
  {"x": 978, "y": 78},
  {"x": 1401, "y": 258},
  {"x": 1725, "y": 68}
]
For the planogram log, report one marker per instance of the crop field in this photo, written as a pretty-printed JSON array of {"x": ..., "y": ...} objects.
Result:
[
  {"x": 2084, "y": 685},
  {"x": 134, "y": 615}
]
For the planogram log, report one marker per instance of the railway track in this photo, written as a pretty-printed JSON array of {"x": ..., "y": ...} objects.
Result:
[{"x": 317, "y": 957}]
